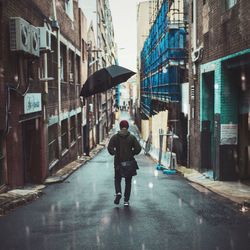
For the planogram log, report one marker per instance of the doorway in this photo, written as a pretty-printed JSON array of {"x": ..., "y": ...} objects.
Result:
[
  {"x": 31, "y": 151},
  {"x": 243, "y": 78},
  {"x": 207, "y": 123}
]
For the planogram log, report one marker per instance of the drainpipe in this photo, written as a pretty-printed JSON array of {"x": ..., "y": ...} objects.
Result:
[
  {"x": 194, "y": 59},
  {"x": 194, "y": 44},
  {"x": 56, "y": 26}
]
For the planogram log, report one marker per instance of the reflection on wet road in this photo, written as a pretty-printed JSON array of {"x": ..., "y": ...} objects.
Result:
[{"x": 165, "y": 213}]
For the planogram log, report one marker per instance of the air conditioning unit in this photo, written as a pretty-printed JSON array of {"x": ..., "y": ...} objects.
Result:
[
  {"x": 19, "y": 34},
  {"x": 45, "y": 38},
  {"x": 34, "y": 41}
]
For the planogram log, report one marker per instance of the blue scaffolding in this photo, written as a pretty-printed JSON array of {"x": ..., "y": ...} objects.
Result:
[{"x": 162, "y": 60}]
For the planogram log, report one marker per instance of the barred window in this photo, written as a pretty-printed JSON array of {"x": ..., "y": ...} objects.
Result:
[
  {"x": 72, "y": 129},
  {"x": 52, "y": 143},
  {"x": 79, "y": 124},
  {"x": 63, "y": 63}
]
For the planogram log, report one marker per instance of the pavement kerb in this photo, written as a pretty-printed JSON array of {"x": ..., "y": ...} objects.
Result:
[
  {"x": 62, "y": 174},
  {"x": 234, "y": 191},
  {"x": 21, "y": 196}
]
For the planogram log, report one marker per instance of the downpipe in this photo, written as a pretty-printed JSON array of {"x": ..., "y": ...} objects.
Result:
[{"x": 58, "y": 35}]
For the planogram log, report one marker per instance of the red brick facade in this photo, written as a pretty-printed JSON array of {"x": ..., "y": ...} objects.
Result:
[{"x": 25, "y": 137}]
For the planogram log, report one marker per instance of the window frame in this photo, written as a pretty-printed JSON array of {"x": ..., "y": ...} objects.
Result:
[
  {"x": 53, "y": 144},
  {"x": 229, "y": 4},
  {"x": 64, "y": 135},
  {"x": 69, "y": 9},
  {"x": 72, "y": 129}
]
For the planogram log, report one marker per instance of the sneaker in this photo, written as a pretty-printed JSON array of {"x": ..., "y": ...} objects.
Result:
[
  {"x": 117, "y": 198},
  {"x": 126, "y": 203}
]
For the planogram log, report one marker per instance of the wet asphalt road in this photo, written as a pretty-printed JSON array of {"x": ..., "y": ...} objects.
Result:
[{"x": 166, "y": 212}]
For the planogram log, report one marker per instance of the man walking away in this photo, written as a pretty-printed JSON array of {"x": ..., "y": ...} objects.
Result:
[{"x": 123, "y": 146}]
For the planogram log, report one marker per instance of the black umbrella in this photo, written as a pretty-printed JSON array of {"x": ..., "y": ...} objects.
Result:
[{"x": 105, "y": 79}]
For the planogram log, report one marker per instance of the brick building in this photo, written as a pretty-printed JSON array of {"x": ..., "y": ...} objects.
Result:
[
  {"x": 42, "y": 65},
  {"x": 101, "y": 53},
  {"x": 219, "y": 129}
]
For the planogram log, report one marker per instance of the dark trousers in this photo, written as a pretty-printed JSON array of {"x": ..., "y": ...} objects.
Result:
[{"x": 118, "y": 188}]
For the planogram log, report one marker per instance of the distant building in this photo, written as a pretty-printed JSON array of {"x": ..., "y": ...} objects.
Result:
[
  {"x": 163, "y": 70},
  {"x": 143, "y": 26},
  {"x": 102, "y": 54}
]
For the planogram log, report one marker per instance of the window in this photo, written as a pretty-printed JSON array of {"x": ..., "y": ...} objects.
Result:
[
  {"x": 79, "y": 124},
  {"x": 71, "y": 66},
  {"x": 72, "y": 129},
  {"x": 52, "y": 143},
  {"x": 83, "y": 50},
  {"x": 42, "y": 67},
  {"x": 52, "y": 58},
  {"x": 77, "y": 70},
  {"x": 63, "y": 72},
  {"x": 69, "y": 8},
  {"x": 64, "y": 135},
  {"x": 229, "y": 4}
]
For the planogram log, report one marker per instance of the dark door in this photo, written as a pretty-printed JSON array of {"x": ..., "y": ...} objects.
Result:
[
  {"x": 244, "y": 123},
  {"x": 31, "y": 151},
  {"x": 207, "y": 128}
]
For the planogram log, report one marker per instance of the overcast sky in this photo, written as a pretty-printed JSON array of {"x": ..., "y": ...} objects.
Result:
[{"x": 124, "y": 20}]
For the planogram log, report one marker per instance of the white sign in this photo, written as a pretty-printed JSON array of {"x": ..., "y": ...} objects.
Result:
[
  {"x": 229, "y": 134},
  {"x": 32, "y": 103}
]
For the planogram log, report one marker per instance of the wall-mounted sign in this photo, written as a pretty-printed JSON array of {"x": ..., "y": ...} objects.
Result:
[
  {"x": 32, "y": 103},
  {"x": 229, "y": 134}
]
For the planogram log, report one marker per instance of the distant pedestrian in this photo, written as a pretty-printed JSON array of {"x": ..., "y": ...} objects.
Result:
[{"x": 124, "y": 146}]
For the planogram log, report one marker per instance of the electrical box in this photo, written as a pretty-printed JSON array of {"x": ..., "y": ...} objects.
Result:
[{"x": 45, "y": 38}]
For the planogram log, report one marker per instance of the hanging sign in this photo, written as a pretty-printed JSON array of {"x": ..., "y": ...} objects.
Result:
[
  {"x": 32, "y": 103},
  {"x": 229, "y": 134}
]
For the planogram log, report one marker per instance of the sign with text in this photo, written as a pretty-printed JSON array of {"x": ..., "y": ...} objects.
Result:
[
  {"x": 229, "y": 134},
  {"x": 32, "y": 103}
]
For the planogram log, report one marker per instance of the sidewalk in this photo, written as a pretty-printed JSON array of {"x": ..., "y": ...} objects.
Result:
[
  {"x": 236, "y": 191},
  {"x": 17, "y": 197},
  {"x": 233, "y": 190}
]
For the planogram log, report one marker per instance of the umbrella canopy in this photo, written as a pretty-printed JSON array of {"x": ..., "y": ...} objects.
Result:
[{"x": 105, "y": 79}]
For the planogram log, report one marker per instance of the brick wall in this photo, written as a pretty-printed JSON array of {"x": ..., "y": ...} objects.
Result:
[
  {"x": 229, "y": 30},
  {"x": 221, "y": 33},
  {"x": 2, "y": 89},
  {"x": 17, "y": 64}
]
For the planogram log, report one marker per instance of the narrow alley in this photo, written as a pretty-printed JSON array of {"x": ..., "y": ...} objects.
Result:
[{"x": 165, "y": 212}]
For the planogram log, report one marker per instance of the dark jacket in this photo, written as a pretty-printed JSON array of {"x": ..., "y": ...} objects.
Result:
[{"x": 129, "y": 146}]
